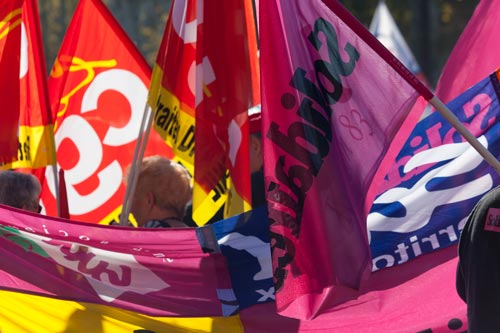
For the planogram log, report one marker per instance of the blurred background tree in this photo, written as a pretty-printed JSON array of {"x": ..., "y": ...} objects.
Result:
[{"x": 430, "y": 27}]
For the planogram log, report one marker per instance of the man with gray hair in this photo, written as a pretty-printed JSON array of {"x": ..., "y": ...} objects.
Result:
[
  {"x": 162, "y": 192},
  {"x": 20, "y": 190}
]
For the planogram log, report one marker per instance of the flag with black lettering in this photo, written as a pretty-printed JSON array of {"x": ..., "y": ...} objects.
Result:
[
  {"x": 98, "y": 94},
  {"x": 206, "y": 73},
  {"x": 336, "y": 111},
  {"x": 26, "y": 128}
]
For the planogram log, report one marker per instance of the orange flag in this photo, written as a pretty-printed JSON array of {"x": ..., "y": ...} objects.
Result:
[
  {"x": 26, "y": 139},
  {"x": 206, "y": 74},
  {"x": 98, "y": 88}
]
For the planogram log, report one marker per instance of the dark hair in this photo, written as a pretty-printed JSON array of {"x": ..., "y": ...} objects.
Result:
[{"x": 19, "y": 190}]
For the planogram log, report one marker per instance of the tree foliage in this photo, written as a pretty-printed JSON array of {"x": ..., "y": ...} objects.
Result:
[{"x": 430, "y": 27}]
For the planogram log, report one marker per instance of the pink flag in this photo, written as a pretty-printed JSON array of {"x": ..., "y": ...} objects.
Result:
[
  {"x": 150, "y": 271},
  {"x": 419, "y": 296},
  {"x": 476, "y": 54},
  {"x": 335, "y": 113}
]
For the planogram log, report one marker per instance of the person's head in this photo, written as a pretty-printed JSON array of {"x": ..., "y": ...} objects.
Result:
[
  {"x": 256, "y": 153},
  {"x": 162, "y": 191},
  {"x": 20, "y": 190}
]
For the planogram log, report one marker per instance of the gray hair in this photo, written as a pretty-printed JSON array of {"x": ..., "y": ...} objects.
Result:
[{"x": 19, "y": 190}]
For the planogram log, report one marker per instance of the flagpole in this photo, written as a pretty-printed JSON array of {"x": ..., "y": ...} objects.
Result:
[
  {"x": 140, "y": 147},
  {"x": 55, "y": 173},
  {"x": 455, "y": 122},
  {"x": 33, "y": 10},
  {"x": 383, "y": 52}
]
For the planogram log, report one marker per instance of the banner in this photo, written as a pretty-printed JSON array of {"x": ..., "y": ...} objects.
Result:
[
  {"x": 98, "y": 93},
  {"x": 436, "y": 180},
  {"x": 150, "y": 271},
  {"x": 335, "y": 114},
  {"x": 96, "y": 257},
  {"x": 26, "y": 121},
  {"x": 213, "y": 86}
]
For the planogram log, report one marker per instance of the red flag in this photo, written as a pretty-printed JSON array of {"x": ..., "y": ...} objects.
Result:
[
  {"x": 335, "y": 114},
  {"x": 206, "y": 74},
  {"x": 10, "y": 41},
  {"x": 98, "y": 90},
  {"x": 479, "y": 44},
  {"x": 25, "y": 129}
]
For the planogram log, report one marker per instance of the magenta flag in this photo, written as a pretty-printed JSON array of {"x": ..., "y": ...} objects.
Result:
[
  {"x": 157, "y": 272},
  {"x": 335, "y": 113},
  {"x": 476, "y": 53}
]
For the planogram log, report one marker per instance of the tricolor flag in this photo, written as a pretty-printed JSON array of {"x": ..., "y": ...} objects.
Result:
[
  {"x": 98, "y": 89},
  {"x": 26, "y": 137},
  {"x": 335, "y": 114},
  {"x": 204, "y": 81}
]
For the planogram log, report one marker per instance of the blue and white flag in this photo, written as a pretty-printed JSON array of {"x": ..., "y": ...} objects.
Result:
[
  {"x": 436, "y": 180},
  {"x": 244, "y": 241}
]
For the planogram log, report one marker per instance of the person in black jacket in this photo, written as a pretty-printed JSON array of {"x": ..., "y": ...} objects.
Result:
[{"x": 478, "y": 271}]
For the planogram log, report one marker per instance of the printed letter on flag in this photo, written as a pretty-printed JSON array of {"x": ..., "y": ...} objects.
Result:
[
  {"x": 98, "y": 93},
  {"x": 335, "y": 113},
  {"x": 206, "y": 74}
]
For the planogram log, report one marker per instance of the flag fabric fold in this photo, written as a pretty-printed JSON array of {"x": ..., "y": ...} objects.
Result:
[
  {"x": 98, "y": 90},
  {"x": 335, "y": 114}
]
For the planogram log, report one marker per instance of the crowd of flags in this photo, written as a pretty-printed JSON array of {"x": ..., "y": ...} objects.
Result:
[{"x": 366, "y": 201}]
